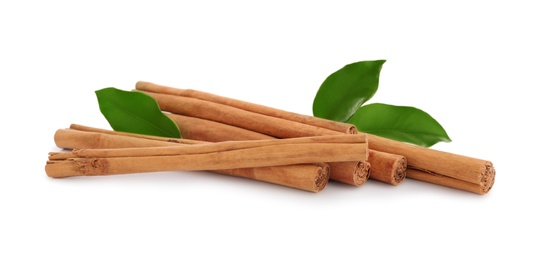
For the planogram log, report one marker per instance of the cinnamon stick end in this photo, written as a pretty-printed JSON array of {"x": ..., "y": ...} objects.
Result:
[
  {"x": 352, "y": 130},
  {"x": 141, "y": 84},
  {"x": 400, "y": 171},
  {"x": 362, "y": 173},
  {"x": 487, "y": 178},
  {"x": 77, "y": 167},
  {"x": 61, "y": 169},
  {"x": 322, "y": 177}
]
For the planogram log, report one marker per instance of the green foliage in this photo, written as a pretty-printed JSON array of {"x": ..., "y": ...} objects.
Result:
[
  {"x": 402, "y": 123},
  {"x": 342, "y": 95},
  {"x": 344, "y": 91},
  {"x": 135, "y": 112}
]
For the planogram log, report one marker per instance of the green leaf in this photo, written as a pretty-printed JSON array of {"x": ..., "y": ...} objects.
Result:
[
  {"x": 135, "y": 112},
  {"x": 401, "y": 123},
  {"x": 344, "y": 91}
]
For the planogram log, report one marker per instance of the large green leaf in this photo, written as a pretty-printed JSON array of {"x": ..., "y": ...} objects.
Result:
[
  {"x": 402, "y": 123},
  {"x": 135, "y": 112},
  {"x": 344, "y": 91}
]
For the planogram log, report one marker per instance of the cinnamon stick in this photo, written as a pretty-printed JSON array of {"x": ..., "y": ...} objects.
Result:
[
  {"x": 209, "y": 156},
  {"x": 71, "y": 139},
  {"x": 390, "y": 168},
  {"x": 312, "y": 145},
  {"x": 267, "y": 125},
  {"x": 472, "y": 170},
  {"x": 439, "y": 163},
  {"x": 256, "y": 108},
  {"x": 110, "y": 132},
  {"x": 384, "y": 167},
  {"x": 206, "y": 130},
  {"x": 309, "y": 177},
  {"x": 355, "y": 173},
  {"x": 450, "y": 182}
]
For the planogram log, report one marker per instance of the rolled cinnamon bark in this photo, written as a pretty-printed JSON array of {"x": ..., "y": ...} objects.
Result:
[
  {"x": 481, "y": 188},
  {"x": 450, "y": 165},
  {"x": 206, "y": 130},
  {"x": 390, "y": 168},
  {"x": 384, "y": 167},
  {"x": 361, "y": 170},
  {"x": 308, "y": 177},
  {"x": 73, "y": 139},
  {"x": 209, "y": 156},
  {"x": 311, "y": 145},
  {"x": 256, "y": 108},
  {"x": 267, "y": 125},
  {"x": 438, "y": 163},
  {"x": 118, "y": 133}
]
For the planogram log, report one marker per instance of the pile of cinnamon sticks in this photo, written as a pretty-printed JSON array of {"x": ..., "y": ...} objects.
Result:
[{"x": 243, "y": 139}]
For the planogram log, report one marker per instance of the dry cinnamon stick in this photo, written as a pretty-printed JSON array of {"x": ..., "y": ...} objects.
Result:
[
  {"x": 268, "y": 125},
  {"x": 450, "y": 182},
  {"x": 209, "y": 156},
  {"x": 353, "y": 174},
  {"x": 384, "y": 167},
  {"x": 110, "y": 132},
  {"x": 309, "y": 177},
  {"x": 390, "y": 168},
  {"x": 311, "y": 145},
  {"x": 256, "y": 108},
  {"x": 71, "y": 139},
  {"x": 439, "y": 163},
  {"x": 206, "y": 130},
  {"x": 453, "y": 166}
]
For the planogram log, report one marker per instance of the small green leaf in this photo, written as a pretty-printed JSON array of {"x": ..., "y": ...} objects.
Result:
[
  {"x": 344, "y": 91},
  {"x": 401, "y": 123},
  {"x": 135, "y": 112}
]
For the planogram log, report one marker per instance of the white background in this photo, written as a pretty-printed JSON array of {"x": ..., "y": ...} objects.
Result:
[{"x": 470, "y": 64}]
